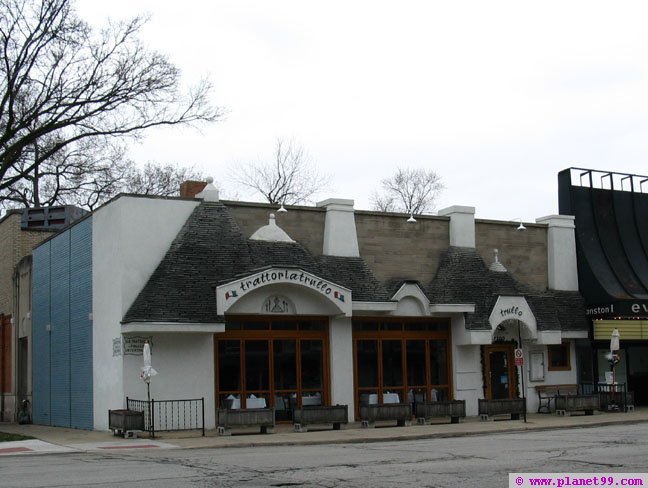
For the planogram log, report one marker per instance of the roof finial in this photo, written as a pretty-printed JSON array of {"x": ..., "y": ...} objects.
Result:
[
  {"x": 271, "y": 232},
  {"x": 210, "y": 192},
  {"x": 497, "y": 266}
]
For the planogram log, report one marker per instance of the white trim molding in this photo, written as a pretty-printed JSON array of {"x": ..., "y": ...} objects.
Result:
[
  {"x": 374, "y": 306},
  {"x": 160, "y": 327}
]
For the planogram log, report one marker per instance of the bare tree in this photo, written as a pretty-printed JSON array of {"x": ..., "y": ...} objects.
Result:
[
  {"x": 63, "y": 84},
  {"x": 411, "y": 191},
  {"x": 289, "y": 179},
  {"x": 84, "y": 174},
  {"x": 90, "y": 176},
  {"x": 161, "y": 180}
]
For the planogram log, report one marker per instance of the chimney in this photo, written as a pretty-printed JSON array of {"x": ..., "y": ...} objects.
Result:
[
  {"x": 190, "y": 188},
  {"x": 561, "y": 250},
  {"x": 462, "y": 225},
  {"x": 340, "y": 237}
]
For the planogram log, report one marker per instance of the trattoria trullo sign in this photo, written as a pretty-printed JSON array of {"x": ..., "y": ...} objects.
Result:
[
  {"x": 229, "y": 293},
  {"x": 512, "y": 312}
]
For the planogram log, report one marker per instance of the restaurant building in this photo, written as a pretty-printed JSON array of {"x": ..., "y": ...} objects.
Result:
[
  {"x": 249, "y": 306},
  {"x": 611, "y": 211}
]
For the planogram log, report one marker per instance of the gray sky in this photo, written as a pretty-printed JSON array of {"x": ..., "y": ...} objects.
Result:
[{"x": 496, "y": 97}]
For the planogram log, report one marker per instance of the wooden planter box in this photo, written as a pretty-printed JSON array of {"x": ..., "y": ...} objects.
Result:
[
  {"x": 577, "y": 403},
  {"x": 125, "y": 422},
  {"x": 512, "y": 406},
  {"x": 400, "y": 412},
  {"x": 455, "y": 409},
  {"x": 264, "y": 418},
  {"x": 318, "y": 414}
]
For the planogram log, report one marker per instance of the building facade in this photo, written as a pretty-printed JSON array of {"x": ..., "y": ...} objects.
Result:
[
  {"x": 20, "y": 231},
  {"x": 611, "y": 211},
  {"x": 247, "y": 306}
]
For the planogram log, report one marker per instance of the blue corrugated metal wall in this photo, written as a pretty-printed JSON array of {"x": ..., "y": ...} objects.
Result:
[
  {"x": 40, "y": 335},
  {"x": 80, "y": 325},
  {"x": 62, "y": 355},
  {"x": 60, "y": 330}
]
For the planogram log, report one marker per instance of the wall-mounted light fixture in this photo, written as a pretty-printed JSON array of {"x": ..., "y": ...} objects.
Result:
[
  {"x": 411, "y": 218},
  {"x": 282, "y": 209},
  {"x": 521, "y": 226}
]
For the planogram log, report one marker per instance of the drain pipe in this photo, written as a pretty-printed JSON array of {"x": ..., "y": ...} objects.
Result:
[
  {"x": 522, "y": 372},
  {"x": 2, "y": 367}
]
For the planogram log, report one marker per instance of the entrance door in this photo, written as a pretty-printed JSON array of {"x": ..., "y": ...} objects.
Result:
[{"x": 499, "y": 372}]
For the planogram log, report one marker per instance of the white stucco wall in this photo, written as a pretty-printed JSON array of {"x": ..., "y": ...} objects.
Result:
[
  {"x": 124, "y": 257},
  {"x": 185, "y": 367},
  {"x": 341, "y": 361},
  {"x": 569, "y": 377},
  {"x": 466, "y": 368}
]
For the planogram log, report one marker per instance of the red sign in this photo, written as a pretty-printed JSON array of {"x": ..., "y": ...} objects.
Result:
[{"x": 519, "y": 357}]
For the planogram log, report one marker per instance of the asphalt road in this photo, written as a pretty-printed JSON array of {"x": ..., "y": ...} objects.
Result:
[{"x": 471, "y": 461}]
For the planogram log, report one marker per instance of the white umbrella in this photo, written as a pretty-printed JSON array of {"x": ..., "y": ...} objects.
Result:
[
  {"x": 614, "y": 355},
  {"x": 147, "y": 369},
  {"x": 614, "y": 341}
]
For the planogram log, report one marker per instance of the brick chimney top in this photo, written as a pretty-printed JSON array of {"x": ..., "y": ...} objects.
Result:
[{"x": 190, "y": 188}]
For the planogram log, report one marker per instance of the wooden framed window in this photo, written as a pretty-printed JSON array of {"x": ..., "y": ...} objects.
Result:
[
  {"x": 269, "y": 362},
  {"x": 559, "y": 357},
  {"x": 401, "y": 360}
]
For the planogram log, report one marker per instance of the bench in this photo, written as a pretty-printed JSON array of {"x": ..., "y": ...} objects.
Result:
[
  {"x": 454, "y": 409},
  {"x": 509, "y": 406},
  {"x": 318, "y": 414},
  {"x": 400, "y": 412},
  {"x": 548, "y": 393},
  {"x": 576, "y": 403},
  {"x": 264, "y": 418}
]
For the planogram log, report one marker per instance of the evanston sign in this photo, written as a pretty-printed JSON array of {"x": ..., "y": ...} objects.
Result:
[{"x": 634, "y": 309}]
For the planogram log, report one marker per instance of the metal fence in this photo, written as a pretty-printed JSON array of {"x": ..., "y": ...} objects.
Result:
[
  {"x": 612, "y": 397},
  {"x": 170, "y": 415}
]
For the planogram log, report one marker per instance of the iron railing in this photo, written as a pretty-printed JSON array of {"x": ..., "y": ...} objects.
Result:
[
  {"x": 170, "y": 415},
  {"x": 612, "y": 397}
]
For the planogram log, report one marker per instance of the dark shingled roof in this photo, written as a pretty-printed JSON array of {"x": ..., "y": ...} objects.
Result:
[
  {"x": 210, "y": 250},
  {"x": 353, "y": 273},
  {"x": 464, "y": 278},
  {"x": 209, "y": 247}
]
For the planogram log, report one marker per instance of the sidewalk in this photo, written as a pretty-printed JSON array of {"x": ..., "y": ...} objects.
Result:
[{"x": 61, "y": 440}]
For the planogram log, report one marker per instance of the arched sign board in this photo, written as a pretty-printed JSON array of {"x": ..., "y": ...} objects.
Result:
[
  {"x": 229, "y": 293},
  {"x": 513, "y": 308}
]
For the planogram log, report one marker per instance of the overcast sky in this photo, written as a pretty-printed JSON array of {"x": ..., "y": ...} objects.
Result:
[{"x": 496, "y": 97}]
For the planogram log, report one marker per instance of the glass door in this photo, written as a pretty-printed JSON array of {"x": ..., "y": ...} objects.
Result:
[
  {"x": 500, "y": 376},
  {"x": 285, "y": 377}
]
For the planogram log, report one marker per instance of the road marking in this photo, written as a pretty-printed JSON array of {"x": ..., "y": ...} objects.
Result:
[
  {"x": 133, "y": 446},
  {"x": 11, "y": 450}
]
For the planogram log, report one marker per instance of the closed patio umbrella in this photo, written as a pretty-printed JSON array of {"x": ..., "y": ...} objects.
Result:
[
  {"x": 614, "y": 341},
  {"x": 147, "y": 369}
]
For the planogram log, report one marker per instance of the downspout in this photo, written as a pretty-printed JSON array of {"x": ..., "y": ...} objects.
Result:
[{"x": 2, "y": 361}]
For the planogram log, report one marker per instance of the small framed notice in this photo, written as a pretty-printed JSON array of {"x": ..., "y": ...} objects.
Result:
[
  {"x": 134, "y": 345},
  {"x": 117, "y": 347}
]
